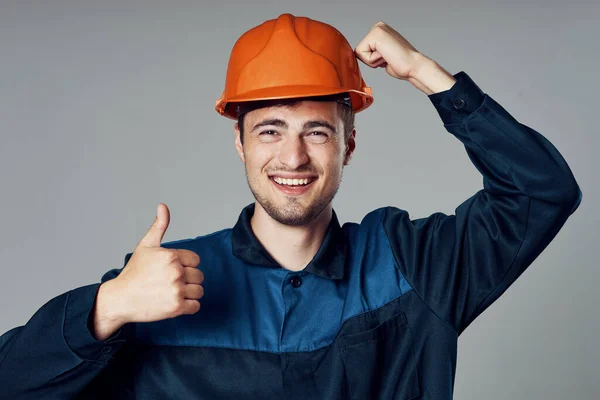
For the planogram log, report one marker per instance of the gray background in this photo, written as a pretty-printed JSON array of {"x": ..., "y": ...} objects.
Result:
[{"x": 107, "y": 109}]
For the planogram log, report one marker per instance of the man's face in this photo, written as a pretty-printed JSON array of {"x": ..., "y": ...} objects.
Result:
[{"x": 294, "y": 158}]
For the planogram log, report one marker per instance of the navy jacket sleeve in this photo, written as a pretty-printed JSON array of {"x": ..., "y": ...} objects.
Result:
[
  {"x": 54, "y": 355},
  {"x": 460, "y": 264}
]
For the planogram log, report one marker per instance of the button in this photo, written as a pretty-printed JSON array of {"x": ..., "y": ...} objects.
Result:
[
  {"x": 458, "y": 104},
  {"x": 296, "y": 281}
]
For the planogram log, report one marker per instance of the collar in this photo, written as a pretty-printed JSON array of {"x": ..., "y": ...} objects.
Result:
[{"x": 327, "y": 263}]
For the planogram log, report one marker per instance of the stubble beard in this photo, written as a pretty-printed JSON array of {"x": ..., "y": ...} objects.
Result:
[{"x": 293, "y": 213}]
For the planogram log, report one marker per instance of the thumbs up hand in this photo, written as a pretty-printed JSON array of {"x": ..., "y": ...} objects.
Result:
[{"x": 157, "y": 283}]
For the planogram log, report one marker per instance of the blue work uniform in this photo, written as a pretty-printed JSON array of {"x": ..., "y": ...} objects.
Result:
[{"x": 376, "y": 314}]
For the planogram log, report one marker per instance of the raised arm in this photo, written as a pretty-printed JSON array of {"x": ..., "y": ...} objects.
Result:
[{"x": 460, "y": 264}]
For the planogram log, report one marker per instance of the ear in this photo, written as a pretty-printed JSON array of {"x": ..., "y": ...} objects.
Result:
[
  {"x": 350, "y": 146},
  {"x": 238, "y": 143}
]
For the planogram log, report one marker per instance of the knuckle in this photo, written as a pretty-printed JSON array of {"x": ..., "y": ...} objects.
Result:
[
  {"x": 178, "y": 290},
  {"x": 174, "y": 274},
  {"x": 174, "y": 296},
  {"x": 176, "y": 306},
  {"x": 170, "y": 256},
  {"x": 178, "y": 272}
]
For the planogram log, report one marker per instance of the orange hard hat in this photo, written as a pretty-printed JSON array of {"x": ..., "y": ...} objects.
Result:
[{"x": 292, "y": 57}]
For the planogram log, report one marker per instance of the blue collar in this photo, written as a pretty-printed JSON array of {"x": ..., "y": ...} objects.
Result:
[{"x": 327, "y": 263}]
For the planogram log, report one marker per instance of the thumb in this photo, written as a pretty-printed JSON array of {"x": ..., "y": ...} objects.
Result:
[{"x": 156, "y": 232}]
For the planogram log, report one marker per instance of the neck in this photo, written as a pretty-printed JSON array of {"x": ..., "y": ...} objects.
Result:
[{"x": 293, "y": 247}]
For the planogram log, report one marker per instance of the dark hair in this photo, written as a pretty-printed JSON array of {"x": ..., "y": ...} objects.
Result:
[{"x": 343, "y": 102}]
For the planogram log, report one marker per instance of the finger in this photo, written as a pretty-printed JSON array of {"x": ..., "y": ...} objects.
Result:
[
  {"x": 193, "y": 275},
  {"x": 188, "y": 258},
  {"x": 191, "y": 307},
  {"x": 369, "y": 57},
  {"x": 381, "y": 64},
  {"x": 193, "y": 291},
  {"x": 363, "y": 49},
  {"x": 376, "y": 60},
  {"x": 158, "y": 228}
]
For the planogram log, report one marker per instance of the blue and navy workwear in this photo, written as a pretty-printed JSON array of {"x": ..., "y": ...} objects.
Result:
[{"x": 376, "y": 314}]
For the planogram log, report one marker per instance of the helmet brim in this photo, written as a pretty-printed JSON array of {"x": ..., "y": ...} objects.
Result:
[{"x": 227, "y": 106}]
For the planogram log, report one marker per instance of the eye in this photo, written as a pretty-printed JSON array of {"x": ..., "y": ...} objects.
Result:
[
  {"x": 268, "y": 136},
  {"x": 318, "y": 137}
]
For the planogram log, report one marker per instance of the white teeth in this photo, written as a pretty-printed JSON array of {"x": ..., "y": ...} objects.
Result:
[{"x": 291, "y": 182}]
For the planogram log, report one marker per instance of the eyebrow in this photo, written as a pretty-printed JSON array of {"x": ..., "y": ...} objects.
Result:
[{"x": 318, "y": 123}]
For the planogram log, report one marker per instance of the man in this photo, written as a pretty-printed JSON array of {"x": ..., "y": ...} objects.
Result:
[{"x": 296, "y": 305}]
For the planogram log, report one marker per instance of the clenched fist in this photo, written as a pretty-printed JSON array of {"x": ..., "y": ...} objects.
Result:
[
  {"x": 384, "y": 47},
  {"x": 157, "y": 283}
]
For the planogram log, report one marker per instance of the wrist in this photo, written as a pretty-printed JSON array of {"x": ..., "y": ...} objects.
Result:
[
  {"x": 429, "y": 77},
  {"x": 108, "y": 317}
]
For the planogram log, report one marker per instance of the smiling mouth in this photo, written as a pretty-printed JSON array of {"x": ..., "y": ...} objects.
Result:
[
  {"x": 293, "y": 187},
  {"x": 292, "y": 182}
]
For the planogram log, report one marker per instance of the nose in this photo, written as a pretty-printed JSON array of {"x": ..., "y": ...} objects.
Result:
[{"x": 292, "y": 152}]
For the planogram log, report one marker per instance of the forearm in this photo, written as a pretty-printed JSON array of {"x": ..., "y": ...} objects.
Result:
[{"x": 54, "y": 355}]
